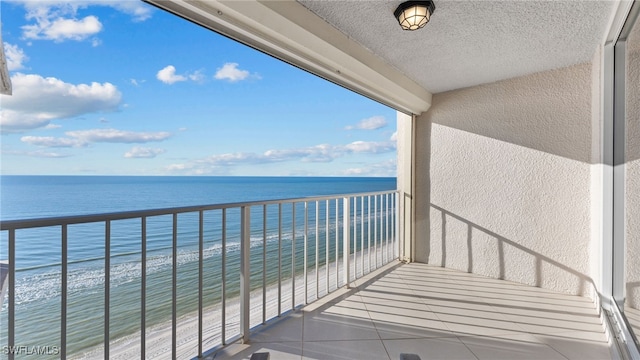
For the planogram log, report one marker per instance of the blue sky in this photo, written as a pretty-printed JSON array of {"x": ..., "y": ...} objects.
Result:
[{"x": 106, "y": 87}]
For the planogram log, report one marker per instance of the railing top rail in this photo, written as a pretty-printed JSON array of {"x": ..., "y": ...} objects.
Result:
[{"x": 83, "y": 219}]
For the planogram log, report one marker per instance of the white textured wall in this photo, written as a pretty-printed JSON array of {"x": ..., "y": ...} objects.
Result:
[
  {"x": 511, "y": 179},
  {"x": 632, "y": 203}
]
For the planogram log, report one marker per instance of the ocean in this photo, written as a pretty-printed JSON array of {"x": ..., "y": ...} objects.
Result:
[{"x": 38, "y": 254}]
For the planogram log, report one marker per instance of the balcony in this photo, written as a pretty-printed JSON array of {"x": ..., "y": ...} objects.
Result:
[
  {"x": 346, "y": 297},
  {"x": 435, "y": 313}
]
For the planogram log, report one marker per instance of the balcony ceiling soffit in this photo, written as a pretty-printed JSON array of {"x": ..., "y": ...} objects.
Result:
[
  {"x": 289, "y": 31},
  {"x": 468, "y": 43}
]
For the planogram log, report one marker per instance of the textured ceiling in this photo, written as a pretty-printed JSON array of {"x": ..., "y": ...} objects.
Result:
[{"x": 468, "y": 43}]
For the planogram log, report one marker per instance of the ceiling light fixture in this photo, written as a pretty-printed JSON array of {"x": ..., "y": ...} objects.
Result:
[{"x": 414, "y": 15}]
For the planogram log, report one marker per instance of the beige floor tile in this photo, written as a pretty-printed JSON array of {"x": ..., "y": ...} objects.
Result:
[
  {"x": 429, "y": 349},
  {"x": 280, "y": 351},
  {"x": 345, "y": 350},
  {"x": 578, "y": 345},
  {"x": 435, "y": 313},
  {"x": 546, "y": 324},
  {"x": 469, "y": 325},
  {"x": 396, "y": 322},
  {"x": 492, "y": 348},
  {"x": 288, "y": 328},
  {"x": 338, "y": 323}
]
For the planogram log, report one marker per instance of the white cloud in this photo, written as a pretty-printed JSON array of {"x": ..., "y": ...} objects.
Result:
[
  {"x": 231, "y": 73},
  {"x": 142, "y": 152},
  {"x": 385, "y": 168},
  {"x": 82, "y": 138},
  {"x": 36, "y": 153},
  {"x": 136, "y": 9},
  {"x": 197, "y": 76},
  {"x": 117, "y": 136},
  {"x": 15, "y": 57},
  {"x": 37, "y": 100},
  {"x": 63, "y": 29},
  {"x": 58, "y": 21},
  {"x": 52, "y": 126},
  {"x": 371, "y": 147},
  {"x": 394, "y": 136},
  {"x": 49, "y": 141},
  {"x": 372, "y": 123},
  {"x": 168, "y": 75},
  {"x": 317, "y": 153}
]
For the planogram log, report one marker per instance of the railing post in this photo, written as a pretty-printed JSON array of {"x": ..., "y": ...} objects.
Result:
[
  {"x": 396, "y": 229},
  {"x": 245, "y": 272},
  {"x": 346, "y": 235}
]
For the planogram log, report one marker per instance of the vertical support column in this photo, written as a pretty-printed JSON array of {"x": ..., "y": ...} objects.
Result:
[
  {"x": 406, "y": 184},
  {"x": 245, "y": 272},
  {"x": 346, "y": 238}
]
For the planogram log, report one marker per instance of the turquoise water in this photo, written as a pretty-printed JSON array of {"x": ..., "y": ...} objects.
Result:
[{"x": 38, "y": 251}]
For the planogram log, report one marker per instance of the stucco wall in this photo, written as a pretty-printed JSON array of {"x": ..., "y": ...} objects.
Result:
[
  {"x": 510, "y": 179},
  {"x": 632, "y": 188}
]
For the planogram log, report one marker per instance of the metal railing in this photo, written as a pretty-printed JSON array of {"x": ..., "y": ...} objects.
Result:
[{"x": 247, "y": 261}]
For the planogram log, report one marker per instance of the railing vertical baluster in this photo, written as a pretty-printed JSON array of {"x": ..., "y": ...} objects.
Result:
[
  {"x": 346, "y": 234},
  {"x": 369, "y": 229},
  {"x": 317, "y": 248},
  {"x": 326, "y": 245},
  {"x": 11, "y": 336},
  {"x": 143, "y": 288},
  {"x": 355, "y": 236},
  {"x": 174, "y": 289},
  {"x": 64, "y": 290},
  {"x": 362, "y": 235},
  {"x": 107, "y": 284},
  {"x": 381, "y": 229},
  {"x": 375, "y": 230},
  {"x": 396, "y": 222},
  {"x": 293, "y": 255},
  {"x": 388, "y": 226},
  {"x": 337, "y": 239},
  {"x": 245, "y": 272},
  {"x": 223, "y": 306},
  {"x": 382, "y": 233},
  {"x": 305, "y": 251},
  {"x": 200, "y": 277},
  {"x": 264, "y": 263},
  {"x": 279, "y": 259}
]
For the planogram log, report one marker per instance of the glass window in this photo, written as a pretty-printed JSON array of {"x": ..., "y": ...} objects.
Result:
[{"x": 630, "y": 301}]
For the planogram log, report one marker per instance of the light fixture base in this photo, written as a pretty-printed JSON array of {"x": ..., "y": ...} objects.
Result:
[{"x": 414, "y": 15}]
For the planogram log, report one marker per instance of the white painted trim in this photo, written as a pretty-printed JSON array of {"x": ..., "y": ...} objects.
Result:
[
  {"x": 618, "y": 19},
  {"x": 289, "y": 31}
]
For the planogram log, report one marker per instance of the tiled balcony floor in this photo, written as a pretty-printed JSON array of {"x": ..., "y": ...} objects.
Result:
[{"x": 435, "y": 313}]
